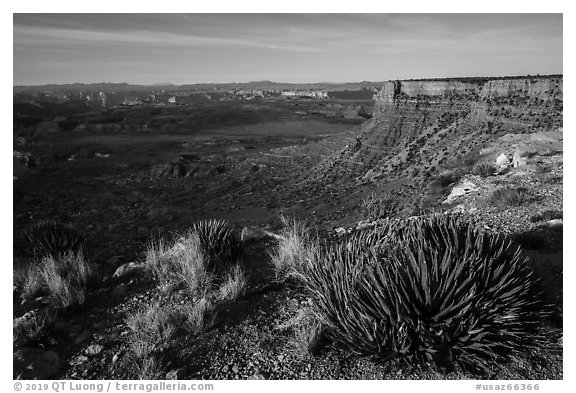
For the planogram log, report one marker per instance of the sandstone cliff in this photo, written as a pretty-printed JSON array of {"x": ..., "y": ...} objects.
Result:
[
  {"x": 420, "y": 128},
  {"x": 396, "y": 90}
]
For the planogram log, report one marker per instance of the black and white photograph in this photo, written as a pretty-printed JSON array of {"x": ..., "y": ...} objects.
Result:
[{"x": 287, "y": 196}]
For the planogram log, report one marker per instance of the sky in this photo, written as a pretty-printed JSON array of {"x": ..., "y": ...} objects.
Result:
[{"x": 201, "y": 48}]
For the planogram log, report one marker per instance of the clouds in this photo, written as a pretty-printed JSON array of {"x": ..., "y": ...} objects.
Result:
[
  {"x": 30, "y": 36},
  {"x": 285, "y": 47}
]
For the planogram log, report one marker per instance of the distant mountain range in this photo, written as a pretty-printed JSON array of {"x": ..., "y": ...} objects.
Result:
[
  {"x": 213, "y": 87},
  {"x": 258, "y": 85}
]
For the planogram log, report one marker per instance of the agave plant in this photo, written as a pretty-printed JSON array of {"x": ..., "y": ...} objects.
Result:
[
  {"x": 219, "y": 242},
  {"x": 434, "y": 288},
  {"x": 48, "y": 238}
]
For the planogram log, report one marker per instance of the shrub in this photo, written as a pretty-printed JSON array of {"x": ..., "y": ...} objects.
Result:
[
  {"x": 63, "y": 278},
  {"x": 433, "y": 288},
  {"x": 33, "y": 325},
  {"x": 199, "y": 316},
  {"x": 510, "y": 196},
  {"x": 547, "y": 215},
  {"x": 445, "y": 179},
  {"x": 49, "y": 238},
  {"x": 483, "y": 169},
  {"x": 149, "y": 369},
  {"x": 218, "y": 240},
  {"x": 376, "y": 208},
  {"x": 296, "y": 248},
  {"x": 234, "y": 285},
  {"x": 307, "y": 334},
  {"x": 184, "y": 264},
  {"x": 28, "y": 280},
  {"x": 152, "y": 327},
  {"x": 542, "y": 168}
]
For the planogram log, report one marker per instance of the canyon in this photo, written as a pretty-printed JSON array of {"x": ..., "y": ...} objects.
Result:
[{"x": 123, "y": 176}]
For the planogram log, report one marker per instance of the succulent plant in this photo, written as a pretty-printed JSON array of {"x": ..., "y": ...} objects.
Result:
[
  {"x": 432, "y": 288},
  {"x": 51, "y": 239},
  {"x": 219, "y": 241}
]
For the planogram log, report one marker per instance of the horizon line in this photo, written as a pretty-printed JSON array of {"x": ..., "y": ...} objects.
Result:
[{"x": 161, "y": 84}]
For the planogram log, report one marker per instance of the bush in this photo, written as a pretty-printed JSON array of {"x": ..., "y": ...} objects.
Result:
[
  {"x": 445, "y": 179},
  {"x": 547, "y": 216},
  {"x": 376, "y": 208},
  {"x": 296, "y": 248},
  {"x": 483, "y": 169},
  {"x": 33, "y": 325},
  {"x": 234, "y": 286},
  {"x": 49, "y": 238},
  {"x": 64, "y": 279},
  {"x": 153, "y": 326},
  {"x": 307, "y": 334},
  {"x": 199, "y": 316},
  {"x": 28, "y": 280},
  {"x": 433, "y": 288},
  {"x": 198, "y": 262},
  {"x": 510, "y": 196},
  {"x": 201, "y": 256},
  {"x": 149, "y": 369},
  {"x": 184, "y": 264},
  {"x": 218, "y": 240}
]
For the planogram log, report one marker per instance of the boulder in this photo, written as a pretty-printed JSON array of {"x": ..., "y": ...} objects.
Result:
[
  {"x": 556, "y": 222},
  {"x": 502, "y": 161},
  {"x": 463, "y": 188},
  {"x": 127, "y": 269},
  {"x": 340, "y": 230},
  {"x": 253, "y": 234},
  {"x": 94, "y": 349}
]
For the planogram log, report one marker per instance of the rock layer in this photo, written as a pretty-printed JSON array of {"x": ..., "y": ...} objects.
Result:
[{"x": 420, "y": 127}]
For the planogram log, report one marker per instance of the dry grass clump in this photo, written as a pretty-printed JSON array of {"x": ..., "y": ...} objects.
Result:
[
  {"x": 155, "y": 326},
  {"x": 510, "y": 196},
  {"x": 149, "y": 369},
  {"x": 183, "y": 264},
  {"x": 199, "y": 259},
  {"x": 64, "y": 279},
  {"x": 296, "y": 248},
  {"x": 199, "y": 316},
  {"x": 234, "y": 285},
  {"x": 306, "y": 334},
  {"x": 33, "y": 325},
  {"x": 27, "y": 279},
  {"x": 152, "y": 326},
  {"x": 484, "y": 169},
  {"x": 202, "y": 265},
  {"x": 375, "y": 208}
]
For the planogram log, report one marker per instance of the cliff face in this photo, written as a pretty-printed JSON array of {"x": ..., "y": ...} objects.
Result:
[
  {"x": 419, "y": 128},
  {"x": 398, "y": 90},
  {"x": 544, "y": 89}
]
